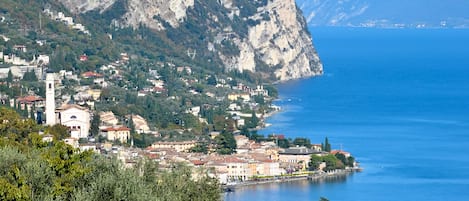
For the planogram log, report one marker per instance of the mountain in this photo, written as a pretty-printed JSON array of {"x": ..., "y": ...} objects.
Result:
[
  {"x": 266, "y": 37},
  {"x": 387, "y": 14}
]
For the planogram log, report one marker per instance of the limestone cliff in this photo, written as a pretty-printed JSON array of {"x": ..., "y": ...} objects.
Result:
[{"x": 266, "y": 36}]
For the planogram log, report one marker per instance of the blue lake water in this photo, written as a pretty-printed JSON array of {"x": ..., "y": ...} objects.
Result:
[{"x": 397, "y": 99}]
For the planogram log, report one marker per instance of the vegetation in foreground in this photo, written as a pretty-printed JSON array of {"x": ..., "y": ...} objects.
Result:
[{"x": 32, "y": 169}]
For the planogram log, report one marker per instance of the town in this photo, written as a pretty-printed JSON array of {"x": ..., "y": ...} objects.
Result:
[{"x": 134, "y": 109}]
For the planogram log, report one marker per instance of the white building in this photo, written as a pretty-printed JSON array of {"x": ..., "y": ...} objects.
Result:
[
  {"x": 50, "y": 100},
  {"x": 76, "y": 118}
]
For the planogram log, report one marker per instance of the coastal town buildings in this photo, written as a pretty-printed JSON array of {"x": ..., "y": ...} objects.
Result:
[{"x": 182, "y": 146}]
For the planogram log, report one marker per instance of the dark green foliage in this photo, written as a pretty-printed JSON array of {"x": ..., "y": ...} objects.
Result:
[
  {"x": 9, "y": 78},
  {"x": 347, "y": 161},
  {"x": 94, "y": 127},
  {"x": 143, "y": 140},
  {"x": 300, "y": 141},
  {"x": 31, "y": 169},
  {"x": 326, "y": 146},
  {"x": 332, "y": 163},
  {"x": 59, "y": 131},
  {"x": 200, "y": 148},
  {"x": 323, "y": 199},
  {"x": 226, "y": 144},
  {"x": 283, "y": 143},
  {"x": 30, "y": 76}
]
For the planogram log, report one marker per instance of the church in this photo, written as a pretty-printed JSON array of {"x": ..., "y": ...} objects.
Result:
[{"x": 75, "y": 117}]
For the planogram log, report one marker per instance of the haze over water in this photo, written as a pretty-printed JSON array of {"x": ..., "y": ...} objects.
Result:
[{"x": 397, "y": 99}]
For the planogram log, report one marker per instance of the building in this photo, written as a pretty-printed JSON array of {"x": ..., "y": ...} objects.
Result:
[
  {"x": 76, "y": 118},
  {"x": 121, "y": 134},
  {"x": 140, "y": 124},
  {"x": 297, "y": 157},
  {"x": 233, "y": 97},
  {"x": 108, "y": 118},
  {"x": 238, "y": 169},
  {"x": 50, "y": 99},
  {"x": 178, "y": 146},
  {"x": 28, "y": 102}
]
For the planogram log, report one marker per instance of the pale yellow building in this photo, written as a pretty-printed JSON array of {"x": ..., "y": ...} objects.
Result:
[
  {"x": 121, "y": 134},
  {"x": 178, "y": 146},
  {"x": 244, "y": 96}
]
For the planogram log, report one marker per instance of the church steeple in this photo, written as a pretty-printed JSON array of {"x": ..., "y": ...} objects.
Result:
[{"x": 50, "y": 99}]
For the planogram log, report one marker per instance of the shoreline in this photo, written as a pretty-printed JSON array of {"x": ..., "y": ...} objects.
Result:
[{"x": 283, "y": 179}]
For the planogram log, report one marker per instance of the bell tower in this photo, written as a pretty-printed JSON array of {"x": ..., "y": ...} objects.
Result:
[{"x": 50, "y": 99}]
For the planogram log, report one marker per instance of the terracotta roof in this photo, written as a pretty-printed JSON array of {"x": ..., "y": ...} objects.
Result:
[
  {"x": 176, "y": 142},
  {"x": 339, "y": 151},
  {"x": 232, "y": 159},
  {"x": 30, "y": 99},
  {"x": 69, "y": 106},
  {"x": 91, "y": 74},
  {"x": 197, "y": 162},
  {"x": 122, "y": 128}
]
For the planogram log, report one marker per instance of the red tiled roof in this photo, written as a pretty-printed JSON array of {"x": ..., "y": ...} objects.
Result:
[
  {"x": 123, "y": 128},
  {"x": 30, "y": 99},
  {"x": 197, "y": 162},
  {"x": 91, "y": 74}
]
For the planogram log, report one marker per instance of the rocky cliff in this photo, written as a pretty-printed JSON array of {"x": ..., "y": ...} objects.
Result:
[{"x": 264, "y": 36}]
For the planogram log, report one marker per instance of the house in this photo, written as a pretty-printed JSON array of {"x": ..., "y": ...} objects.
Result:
[
  {"x": 94, "y": 93},
  {"x": 76, "y": 118},
  {"x": 184, "y": 68},
  {"x": 28, "y": 102},
  {"x": 88, "y": 147},
  {"x": 194, "y": 110},
  {"x": 124, "y": 57},
  {"x": 20, "y": 48},
  {"x": 178, "y": 146},
  {"x": 121, "y": 133},
  {"x": 90, "y": 74},
  {"x": 108, "y": 118},
  {"x": 238, "y": 169},
  {"x": 346, "y": 154},
  {"x": 72, "y": 142},
  {"x": 234, "y": 96},
  {"x": 83, "y": 57},
  {"x": 140, "y": 124},
  {"x": 297, "y": 157}
]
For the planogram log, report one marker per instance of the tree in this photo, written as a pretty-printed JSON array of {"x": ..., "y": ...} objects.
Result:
[
  {"x": 30, "y": 76},
  {"x": 300, "y": 141},
  {"x": 226, "y": 144},
  {"x": 326, "y": 146},
  {"x": 59, "y": 131},
  {"x": 314, "y": 162},
  {"x": 212, "y": 80},
  {"x": 323, "y": 199},
  {"x": 94, "y": 129},
  {"x": 9, "y": 77},
  {"x": 200, "y": 148}
]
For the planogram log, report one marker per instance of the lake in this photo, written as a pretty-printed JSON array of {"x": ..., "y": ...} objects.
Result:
[{"x": 397, "y": 99}]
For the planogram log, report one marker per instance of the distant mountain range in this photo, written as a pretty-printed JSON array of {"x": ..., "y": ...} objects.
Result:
[{"x": 387, "y": 14}]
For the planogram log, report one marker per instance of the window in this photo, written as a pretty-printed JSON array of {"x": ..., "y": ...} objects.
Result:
[
  {"x": 73, "y": 117},
  {"x": 50, "y": 85}
]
